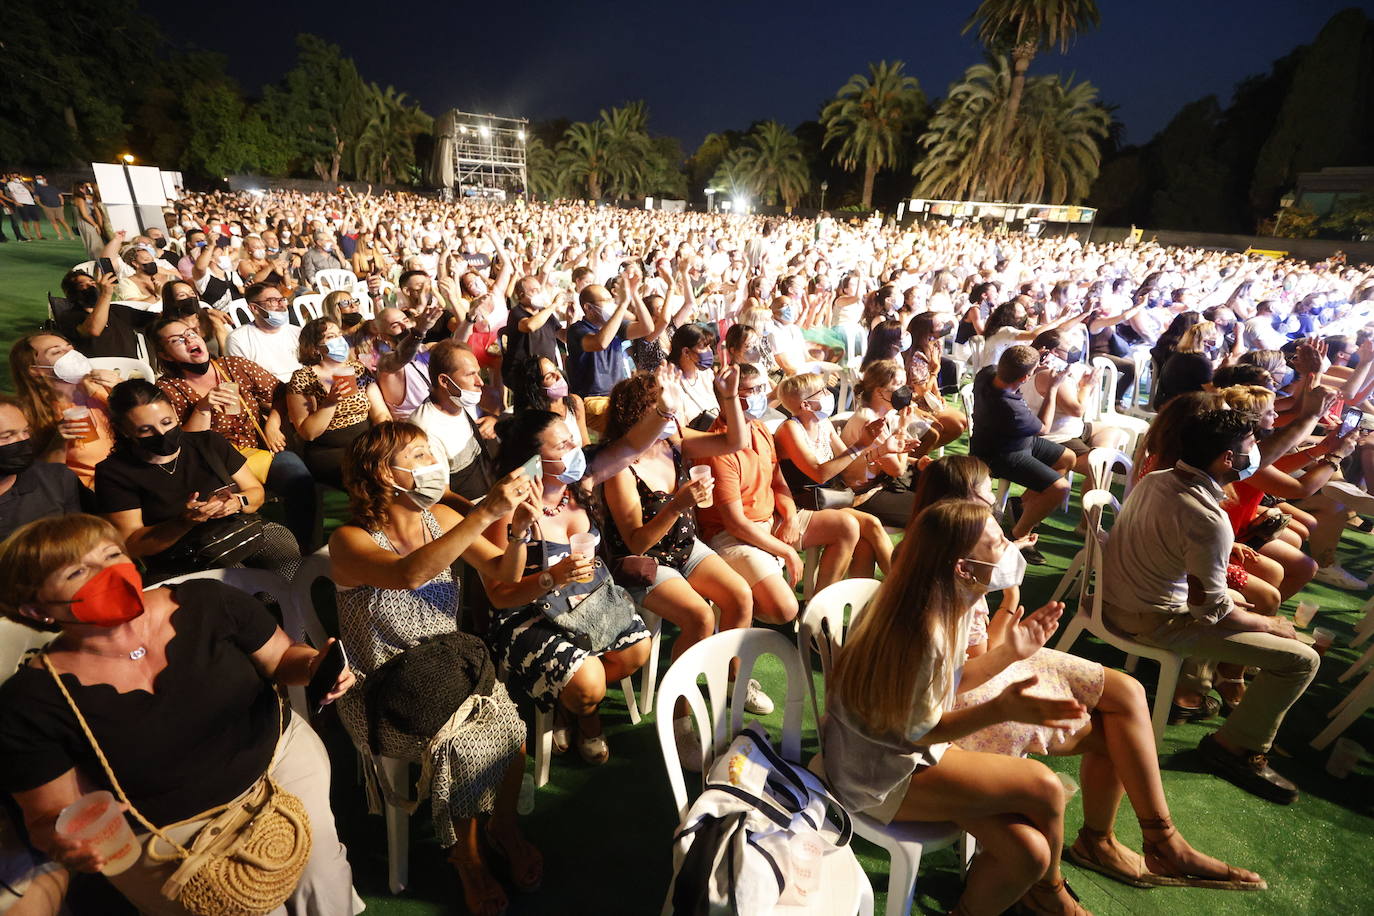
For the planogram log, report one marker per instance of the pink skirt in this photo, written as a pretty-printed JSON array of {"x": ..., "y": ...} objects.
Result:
[{"x": 1062, "y": 676}]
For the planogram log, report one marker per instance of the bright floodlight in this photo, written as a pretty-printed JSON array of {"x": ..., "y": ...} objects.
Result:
[
  {"x": 485, "y": 131},
  {"x": 521, "y": 135},
  {"x": 128, "y": 158}
]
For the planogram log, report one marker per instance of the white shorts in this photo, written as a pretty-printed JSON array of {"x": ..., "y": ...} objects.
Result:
[{"x": 754, "y": 563}]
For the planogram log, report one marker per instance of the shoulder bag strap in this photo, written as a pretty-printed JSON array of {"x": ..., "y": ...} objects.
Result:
[{"x": 244, "y": 405}]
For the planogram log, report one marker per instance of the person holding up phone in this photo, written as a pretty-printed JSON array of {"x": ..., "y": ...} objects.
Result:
[{"x": 330, "y": 400}]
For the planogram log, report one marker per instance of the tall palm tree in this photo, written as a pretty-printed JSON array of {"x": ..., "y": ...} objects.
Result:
[
  {"x": 1024, "y": 27},
  {"x": 629, "y": 149},
  {"x": 541, "y": 170},
  {"x": 583, "y": 156},
  {"x": 384, "y": 150},
  {"x": 870, "y": 115},
  {"x": 770, "y": 163},
  {"x": 1052, "y": 154}
]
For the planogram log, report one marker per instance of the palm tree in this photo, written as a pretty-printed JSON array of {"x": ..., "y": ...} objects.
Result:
[
  {"x": 1052, "y": 155},
  {"x": 385, "y": 148},
  {"x": 629, "y": 149},
  {"x": 582, "y": 157},
  {"x": 870, "y": 115},
  {"x": 541, "y": 170},
  {"x": 770, "y": 164},
  {"x": 1025, "y": 27}
]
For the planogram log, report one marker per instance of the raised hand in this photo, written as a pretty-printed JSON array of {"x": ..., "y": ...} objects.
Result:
[
  {"x": 726, "y": 382},
  {"x": 1027, "y": 634}
]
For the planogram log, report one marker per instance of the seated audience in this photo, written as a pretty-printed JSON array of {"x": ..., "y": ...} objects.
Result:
[
  {"x": 270, "y": 340},
  {"x": 30, "y": 488},
  {"x": 96, "y": 324},
  {"x": 55, "y": 384},
  {"x": 460, "y": 437}
]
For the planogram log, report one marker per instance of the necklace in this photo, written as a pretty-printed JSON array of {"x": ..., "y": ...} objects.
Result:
[
  {"x": 133, "y": 654},
  {"x": 170, "y": 467},
  {"x": 550, "y": 513}
]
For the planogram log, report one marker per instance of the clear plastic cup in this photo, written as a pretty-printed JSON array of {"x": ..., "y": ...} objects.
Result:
[
  {"x": 807, "y": 859},
  {"x": 96, "y": 818},
  {"x": 702, "y": 473},
  {"x": 583, "y": 545},
  {"x": 1322, "y": 640},
  {"x": 1345, "y": 756},
  {"x": 1305, "y": 612},
  {"x": 345, "y": 383},
  {"x": 80, "y": 414},
  {"x": 232, "y": 388}
]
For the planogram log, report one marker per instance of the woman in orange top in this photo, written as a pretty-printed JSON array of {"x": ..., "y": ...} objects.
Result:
[{"x": 51, "y": 377}]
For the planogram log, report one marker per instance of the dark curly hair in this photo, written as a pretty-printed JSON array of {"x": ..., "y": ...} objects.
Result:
[
  {"x": 518, "y": 434},
  {"x": 311, "y": 349},
  {"x": 630, "y": 398},
  {"x": 368, "y": 455},
  {"x": 527, "y": 387}
]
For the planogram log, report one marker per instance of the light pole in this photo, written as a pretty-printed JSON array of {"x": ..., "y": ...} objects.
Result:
[
  {"x": 128, "y": 160},
  {"x": 825, "y": 186},
  {"x": 710, "y": 200}
]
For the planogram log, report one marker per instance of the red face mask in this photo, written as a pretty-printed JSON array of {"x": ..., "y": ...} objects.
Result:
[{"x": 110, "y": 597}]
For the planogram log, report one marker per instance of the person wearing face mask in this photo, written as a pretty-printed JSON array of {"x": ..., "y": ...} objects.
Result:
[
  {"x": 785, "y": 337},
  {"x": 52, "y": 378},
  {"x": 541, "y": 385},
  {"x": 215, "y": 275},
  {"x": 29, "y": 489},
  {"x": 50, "y": 199},
  {"x": 1167, "y": 555},
  {"x": 142, "y": 275},
  {"x": 161, "y": 482},
  {"x": 176, "y": 687},
  {"x": 330, "y": 400},
  {"x": 1115, "y": 737},
  {"x": 925, "y": 369},
  {"x": 596, "y": 344},
  {"x": 546, "y": 664},
  {"x": 270, "y": 340},
  {"x": 391, "y": 562},
  {"x": 181, "y": 300},
  {"x": 690, "y": 352},
  {"x": 460, "y": 435},
  {"x": 321, "y": 255},
  {"x": 95, "y": 323},
  {"x": 1189, "y": 368},
  {"x": 883, "y": 395}
]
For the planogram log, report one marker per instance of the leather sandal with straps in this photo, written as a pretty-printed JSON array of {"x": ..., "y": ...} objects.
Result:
[
  {"x": 1050, "y": 898},
  {"x": 1168, "y": 871},
  {"x": 1116, "y": 862}
]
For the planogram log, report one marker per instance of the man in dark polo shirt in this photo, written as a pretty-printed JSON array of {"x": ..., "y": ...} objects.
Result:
[
  {"x": 597, "y": 343},
  {"x": 98, "y": 326},
  {"x": 531, "y": 330},
  {"x": 29, "y": 489},
  {"x": 1007, "y": 436}
]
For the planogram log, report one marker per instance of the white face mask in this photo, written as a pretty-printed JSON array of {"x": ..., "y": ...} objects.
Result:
[
  {"x": 71, "y": 367},
  {"x": 429, "y": 483},
  {"x": 826, "y": 400},
  {"x": 224, "y": 262},
  {"x": 1252, "y": 463},
  {"x": 1007, "y": 572},
  {"x": 607, "y": 311},
  {"x": 756, "y": 405},
  {"x": 469, "y": 399}
]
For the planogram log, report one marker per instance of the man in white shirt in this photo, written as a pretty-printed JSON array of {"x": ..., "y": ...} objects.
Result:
[
  {"x": 270, "y": 340},
  {"x": 459, "y": 436},
  {"x": 1259, "y": 331},
  {"x": 28, "y": 211}
]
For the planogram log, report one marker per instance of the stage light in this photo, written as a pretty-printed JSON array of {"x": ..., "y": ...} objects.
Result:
[
  {"x": 463, "y": 129},
  {"x": 128, "y": 158},
  {"x": 485, "y": 131},
  {"x": 521, "y": 135}
]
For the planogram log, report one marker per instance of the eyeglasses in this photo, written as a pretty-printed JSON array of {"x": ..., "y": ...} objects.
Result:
[
  {"x": 272, "y": 302},
  {"x": 345, "y": 303},
  {"x": 183, "y": 339},
  {"x": 747, "y": 392}
]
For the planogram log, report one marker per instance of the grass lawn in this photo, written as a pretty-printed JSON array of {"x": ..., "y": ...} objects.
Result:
[{"x": 606, "y": 831}]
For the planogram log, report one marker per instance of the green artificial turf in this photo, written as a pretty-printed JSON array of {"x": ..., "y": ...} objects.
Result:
[{"x": 606, "y": 831}]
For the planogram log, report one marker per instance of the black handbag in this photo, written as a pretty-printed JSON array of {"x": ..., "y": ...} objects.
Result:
[
  {"x": 416, "y": 691},
  {"x": 218, "y": 542},
  {"x": 594, "y": 619},
  {"x": 818, "y": 498}
]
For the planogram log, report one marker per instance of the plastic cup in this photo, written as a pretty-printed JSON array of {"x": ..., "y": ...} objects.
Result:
[
  {"x": 345, "y": 383},
  {"x": 701, "y": 473},
  {"x": 1322, "y": 640},
  {"x": 232, "y": 388},
  {"x": 583, "y": 545},
  {"x": 1345, "y": 756},
  {"x": 81, "y": 414},
  {"x": 807, "y": 851},
  {"x": 1305, "y": 612},
  {"x": 1069, "y": 783},
  {"x": 97, "y": 819}
]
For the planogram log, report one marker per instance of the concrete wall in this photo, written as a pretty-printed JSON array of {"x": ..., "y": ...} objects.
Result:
[{"x": 1309, "y": 249}]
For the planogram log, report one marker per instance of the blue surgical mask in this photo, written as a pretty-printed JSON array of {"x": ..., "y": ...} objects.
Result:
[
  {"x": 905, "y": 343},
  {"x": 756, "y": 405},
  {"x": 337, "y": 349},
  {"x": 706, "y": 359},
  {"x": 787, "y": 314},
  {"x": 275, "y": 319},
  {"x": 827, "y": 406},
  {"x": 574, "y": 466}
]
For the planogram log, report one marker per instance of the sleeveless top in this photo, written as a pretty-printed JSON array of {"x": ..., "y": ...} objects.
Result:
[
  {"x": 673, "y": 548},
  {"x": 797, "y": 479}
]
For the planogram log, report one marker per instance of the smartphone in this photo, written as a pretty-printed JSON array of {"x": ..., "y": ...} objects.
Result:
[
  {"x": 104, "y": 265},
  {"x": 1351, "y": 417},
  {"x": 1054, "y": 363},
  {"x": 223, "y": 492},
  {"x": 534, "y": 468},
  {"x": 331, "y": 666}
]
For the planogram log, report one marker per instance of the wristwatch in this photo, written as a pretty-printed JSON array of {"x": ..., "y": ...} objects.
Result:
[
  {"x": 524, "y": 538},
  {"x": 546, "y": 581}
]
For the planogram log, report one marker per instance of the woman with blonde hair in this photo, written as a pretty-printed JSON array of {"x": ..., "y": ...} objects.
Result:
[{"x": 1189, "y": 368}]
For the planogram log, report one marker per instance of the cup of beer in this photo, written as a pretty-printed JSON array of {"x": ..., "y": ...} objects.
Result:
[
  {"x": 345, "y": 382},
  {"x": 81, "y": 415},
  {"x": 96, "y": 818},
  {"x": 232, "y": 389},
  {"x": 583, "y": 545},
  {"x": 702, "y": 474}
]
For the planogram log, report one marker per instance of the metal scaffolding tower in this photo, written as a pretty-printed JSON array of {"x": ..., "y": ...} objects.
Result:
[{"x": 482, "y": 155}]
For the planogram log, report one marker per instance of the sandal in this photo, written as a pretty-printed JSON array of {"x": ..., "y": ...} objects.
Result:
[
  {"x": 1118, "y": 862},
  {"x": 1050, "y": 898},
  {"x": 1168, "y": 871},
  {"x": 594, "y": 750},
  {"x": 531, "y": 860},
  {"x": 1180, "y": 714},
  {"x": 482, "y": 893},
  {"x": 561, "y": 732}
]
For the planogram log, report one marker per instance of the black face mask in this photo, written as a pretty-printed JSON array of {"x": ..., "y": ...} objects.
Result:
[
  {"x": 185, "y": 306},
  {"x": 150, "y": 268},
  {"x": 161, "y": 444},
  {"x": 15, "y": 457},
  {"x": 901, "y": 398},
  {"x": 194, "y": 369},
  {"x": 159, "y": 244},
  {"x": 352, "y": 319},
  {"x": 1074, "y": 355},
  {"x": 88, "y": 297}
]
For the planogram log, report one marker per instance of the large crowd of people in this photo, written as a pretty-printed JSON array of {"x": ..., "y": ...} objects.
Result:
[{"x": 552, "y": 422}]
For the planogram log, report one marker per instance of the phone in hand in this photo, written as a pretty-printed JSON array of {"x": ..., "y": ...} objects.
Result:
[
  {"x": 104, "y": 265},
  {"x": 222, "y": 242},
  {"x": 534, "y": 468},
  {"x": 326, "y": 675},
  {"x": 1351, "y": 417},
  {"x": 224, "y": 492}
]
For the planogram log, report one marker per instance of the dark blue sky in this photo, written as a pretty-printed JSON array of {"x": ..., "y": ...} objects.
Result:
[{"x": 713, "y": 65}]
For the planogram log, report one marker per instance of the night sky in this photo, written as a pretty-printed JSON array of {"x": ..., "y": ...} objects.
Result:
[{"x": 708, "y": 66}]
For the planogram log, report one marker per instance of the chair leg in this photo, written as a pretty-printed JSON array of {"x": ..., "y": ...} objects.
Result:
[
  {"x": 1070, "y": 577},
  {"x": 397, "y": 828},
  {"x": 1071, "y": 633},
  {"x": 905, "y": 864},
  {"x": 1132, "y": 662},
  {"x": 968, "y": 848},
  {"x": 1164, "y": 694},
  {"x": 1359, "y": 666},
  {"x": 649, "y": 675},
  {"x": 1360, "y": 699},
  {"x": 543, "y": 747},
  {"x": 627, "y": 687}
]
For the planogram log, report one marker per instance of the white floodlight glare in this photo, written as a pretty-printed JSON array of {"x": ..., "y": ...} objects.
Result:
[
  {"x": 485, "y": 131},
  {"x": 521, "y": 135},
  {"x": 463, "y": 129}
]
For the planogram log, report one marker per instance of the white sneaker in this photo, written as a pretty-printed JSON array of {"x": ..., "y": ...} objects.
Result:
[
  {"x": 1337, "y": 577},
  {"x": 688, "y": 744},
  {"x": 756, "y": 701}
]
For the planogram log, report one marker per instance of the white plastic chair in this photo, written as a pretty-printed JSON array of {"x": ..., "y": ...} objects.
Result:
[
  {"x": 306, "y": 308},
  {"x": 1102, "y": 405},
  {"x": 1088, "y": 616},
  {"x": 1079, "y": 565},
  {"x": 16, "y": 640},
  {"x": 1365, "y": 628},
  {"x": 242, "y": 314},
  {"x": 719, "y": 715},
  {"x": 326, "y": 281},
  {"x": 1344, "y": 713},
  {"x": 126, "y": 366}
]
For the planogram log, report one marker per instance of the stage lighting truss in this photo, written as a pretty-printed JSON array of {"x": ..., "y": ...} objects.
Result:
[{"x": 488, "y": 154}]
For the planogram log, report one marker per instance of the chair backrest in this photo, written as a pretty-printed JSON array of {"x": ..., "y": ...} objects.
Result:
[
  {"x": 822, "y": 626},
  {"x": 251, "y": 581},
  {"x": 326, "y": 281},
  {"x": 242, "y": 314},
  {"x": 126, "y": 366},
  {"x": 1095, "y": 503},
  {"x": 306, "y": 308},
  {"x": 303, "y": 619},
  {"x": 719, "y": 713},
  {"x": 966, "y": 398},
  {"x": 1144, "y": 377},
  {"x": 15, "y": 641},
  {"x": 772, "y": 423},
  {"x": 1102, "y": 460},
  {"x": 1104, "y": 395},
  {"x": 231, "y": 313},
  {"x": 975, "y": 346}
]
